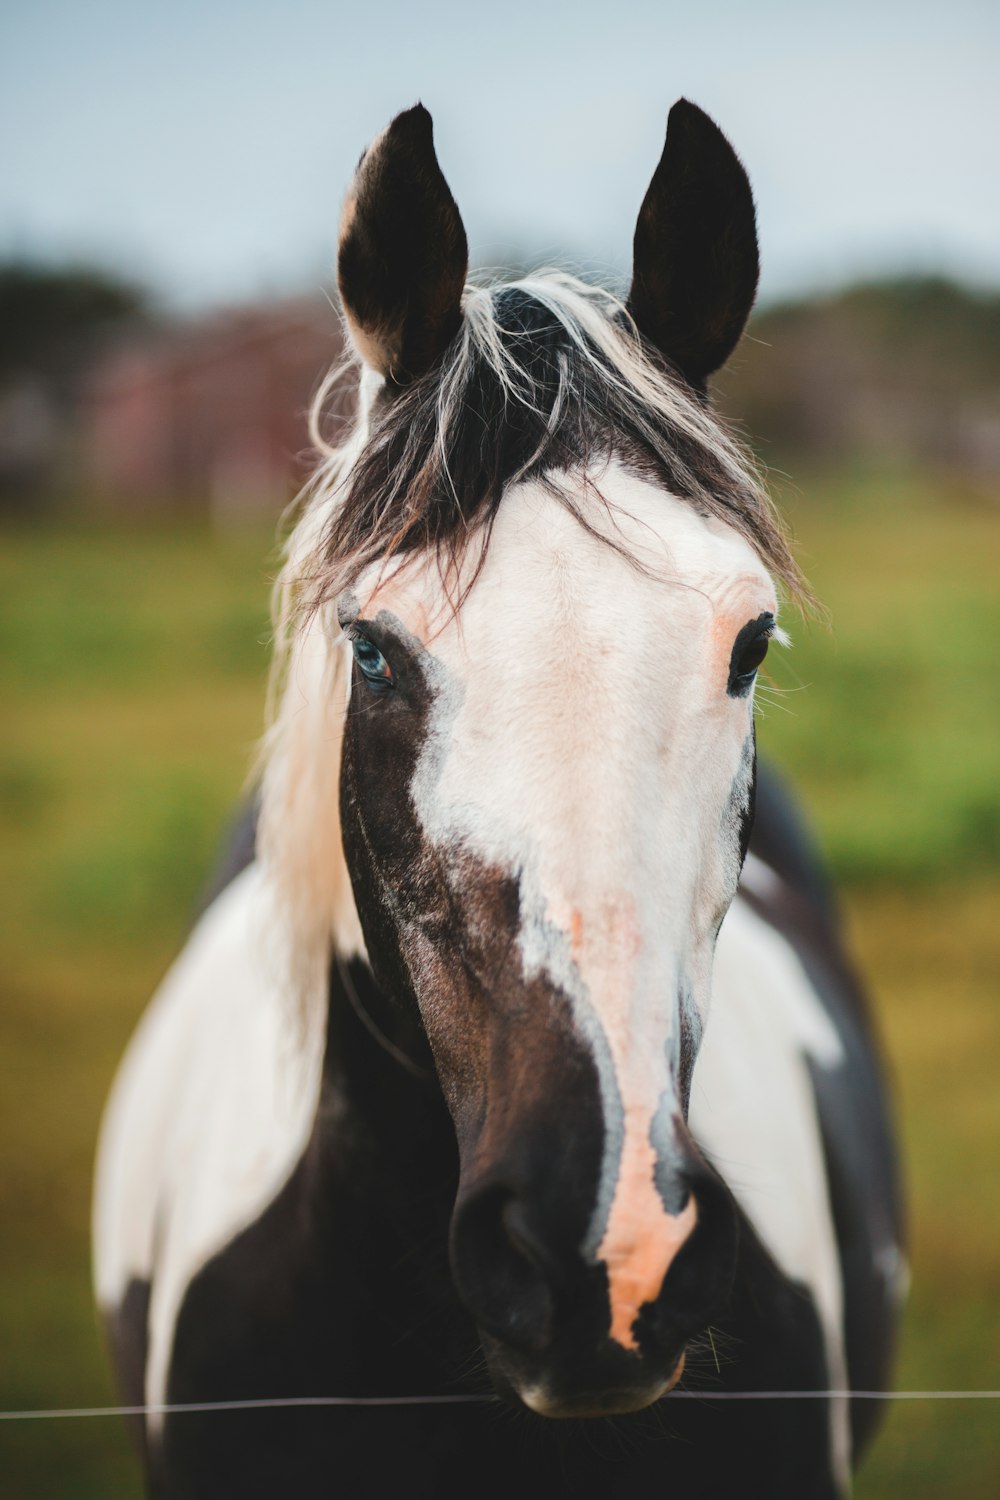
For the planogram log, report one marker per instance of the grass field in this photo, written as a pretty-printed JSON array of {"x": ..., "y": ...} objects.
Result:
[{"x": 133, "y": 663}]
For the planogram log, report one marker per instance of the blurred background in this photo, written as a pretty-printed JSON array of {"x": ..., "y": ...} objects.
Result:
[{"x": 168, "y": 207}]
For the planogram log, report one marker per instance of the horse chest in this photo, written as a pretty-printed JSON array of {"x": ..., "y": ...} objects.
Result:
[{"x": 340, "y": 1285}]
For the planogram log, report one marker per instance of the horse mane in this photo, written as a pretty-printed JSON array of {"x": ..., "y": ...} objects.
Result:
[{"x": 547, "y": 375}]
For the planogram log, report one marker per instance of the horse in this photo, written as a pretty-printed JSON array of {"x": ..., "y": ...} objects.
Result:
[{"x": 515, "y": 1089}]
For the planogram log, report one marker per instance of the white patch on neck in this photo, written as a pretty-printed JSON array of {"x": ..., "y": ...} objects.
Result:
[
  {"x": 210, "y": 1112},
  {"x": 753, "y": 1111}
]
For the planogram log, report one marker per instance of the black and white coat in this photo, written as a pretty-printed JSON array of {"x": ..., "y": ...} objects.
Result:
[{"x": 478, "y": 1078}]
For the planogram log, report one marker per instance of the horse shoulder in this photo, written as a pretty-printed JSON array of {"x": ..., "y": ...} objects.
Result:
[{"x": 211, "y": 1110}]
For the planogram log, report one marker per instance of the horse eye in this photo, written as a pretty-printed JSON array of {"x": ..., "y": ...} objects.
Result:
[
  {"x": 372, "y": 664},
  {"x": 752, "y": 655},
  {"x": 749, "y": 650}
]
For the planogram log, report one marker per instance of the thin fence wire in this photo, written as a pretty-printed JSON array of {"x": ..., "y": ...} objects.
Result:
[{"x": 178, "y": 1408}]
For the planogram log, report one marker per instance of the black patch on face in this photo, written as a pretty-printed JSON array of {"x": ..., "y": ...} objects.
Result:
[
  {"x": 395, "y": 884},
  {"x": 439, "y": 925}
]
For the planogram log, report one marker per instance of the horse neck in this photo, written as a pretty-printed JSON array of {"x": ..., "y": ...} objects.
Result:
[{"x": 388, "y": 1128}]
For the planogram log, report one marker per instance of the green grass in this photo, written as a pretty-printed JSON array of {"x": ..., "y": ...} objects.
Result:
[
  {"x": 132, "y": 664},
  {"x": 891, "y": 717},
  {"x": 932, "y": 956}
]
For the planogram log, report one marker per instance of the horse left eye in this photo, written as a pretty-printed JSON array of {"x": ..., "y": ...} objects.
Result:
[
  {"x": 372, "y": 664},
  {"x": 749, "y": 651},
  {"x": 752, "y": 655}
]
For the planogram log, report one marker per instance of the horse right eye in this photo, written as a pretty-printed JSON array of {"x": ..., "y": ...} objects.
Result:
[{"x": 372, "y": 664}]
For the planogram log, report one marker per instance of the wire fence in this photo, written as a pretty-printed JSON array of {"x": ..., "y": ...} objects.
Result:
[{"x": 178, "y": 1408}]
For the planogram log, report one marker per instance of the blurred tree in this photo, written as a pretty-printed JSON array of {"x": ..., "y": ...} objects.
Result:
[
  {"x": 53, "y": 322},
  {"x": 51, "y": 319},
  {"x": 905, "y": 370}
]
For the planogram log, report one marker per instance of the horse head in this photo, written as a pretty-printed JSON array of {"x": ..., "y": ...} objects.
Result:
[{"x": 529, "y": 601}]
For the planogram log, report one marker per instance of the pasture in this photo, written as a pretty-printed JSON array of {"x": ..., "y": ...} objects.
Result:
[{"x": 133, "y": 662}]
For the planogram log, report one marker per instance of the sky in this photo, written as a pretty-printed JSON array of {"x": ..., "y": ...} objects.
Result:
[{"x": 203, "y": 147}]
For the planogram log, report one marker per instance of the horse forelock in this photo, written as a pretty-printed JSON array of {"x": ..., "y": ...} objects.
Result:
[{"x": 546, "y": 374}]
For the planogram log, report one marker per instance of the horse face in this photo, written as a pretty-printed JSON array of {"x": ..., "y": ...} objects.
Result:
[
  {"x": 546, "y": 794},
  {"x": 545, "y": 803}
]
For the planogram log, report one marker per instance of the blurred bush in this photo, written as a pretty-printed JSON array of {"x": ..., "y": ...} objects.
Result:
[
  {"x": 903, "y": 372},
  {"x": 54, "y": 323}
]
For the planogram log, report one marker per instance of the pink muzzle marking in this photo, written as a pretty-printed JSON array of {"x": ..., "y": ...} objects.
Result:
[{"x": 642, "y": 1240}]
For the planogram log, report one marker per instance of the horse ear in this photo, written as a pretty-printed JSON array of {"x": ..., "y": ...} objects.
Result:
[
  {"x": 695, "y": 267},
  {"x": 403, "y": 255}
]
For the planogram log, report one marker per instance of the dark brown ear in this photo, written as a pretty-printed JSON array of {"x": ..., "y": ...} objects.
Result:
[
  {"x": 695, "y": 267},
  {"x": 403, "y": 254}
]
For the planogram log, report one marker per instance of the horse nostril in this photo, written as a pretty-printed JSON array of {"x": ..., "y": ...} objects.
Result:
[
  {"x": 526, "y": 1242},
  {"x": 699, "y": 1279},
  {"x": 503, "y": 1271}
]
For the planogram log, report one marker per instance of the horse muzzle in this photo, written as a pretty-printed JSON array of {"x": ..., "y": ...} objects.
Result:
[
  {"x": 603, "y": 1393},
  {"x": 546, "y": 1310}
]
